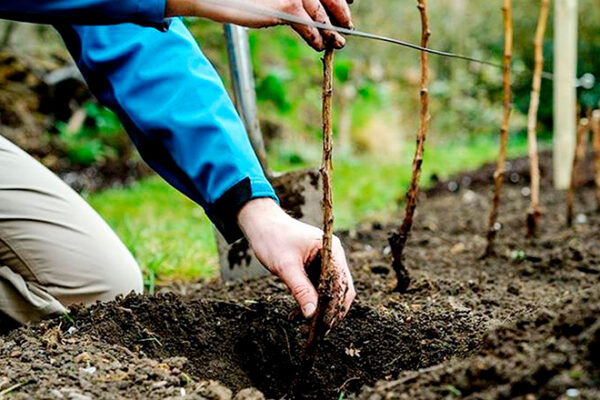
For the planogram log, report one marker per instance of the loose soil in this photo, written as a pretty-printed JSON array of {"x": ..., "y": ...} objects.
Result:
[{"x": 523, "y": 324}]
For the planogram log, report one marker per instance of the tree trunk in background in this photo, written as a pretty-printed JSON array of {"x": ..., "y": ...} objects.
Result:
[{"x": 565, "y": 93}]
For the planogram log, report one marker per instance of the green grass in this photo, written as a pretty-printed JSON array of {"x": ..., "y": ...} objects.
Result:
[
  {"x": 172, "y": 239},
  {"x": 167, "y": 233},
  {"x": 368, "y": 187}
]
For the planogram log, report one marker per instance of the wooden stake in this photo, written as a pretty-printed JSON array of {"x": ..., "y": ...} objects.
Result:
[
  {"x": 582, "y": 131},
  {"x": 499, "y": 173},
  {"x": 398, "y": 239},
  {"x": 565, "y": 93},
  {"x": 595, "y": 125},
  {"x": 534, "y": 213},
  {"x": 326, "y": 285}
]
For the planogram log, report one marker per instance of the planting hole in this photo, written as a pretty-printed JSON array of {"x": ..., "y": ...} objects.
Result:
[{"x": 257, "y": 345}]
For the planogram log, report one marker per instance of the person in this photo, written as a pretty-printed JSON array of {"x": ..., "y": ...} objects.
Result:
[{"x": 139, "y": 60}]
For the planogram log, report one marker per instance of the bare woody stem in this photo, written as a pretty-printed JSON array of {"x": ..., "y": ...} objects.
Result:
[
  {"x": 318, "y": 328},
  {"x": 595, "y": 125},
  {"x": 582, "y": 130},
  {"x": 500, "y": 166},
  {"x": 534, "y": 213},
  {"x": 327, "y": 166},
  {"x": 398, "y": 240}
]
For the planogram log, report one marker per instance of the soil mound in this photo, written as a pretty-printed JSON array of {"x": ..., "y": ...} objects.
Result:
[
  {"x": 550, "y": 354},
  {"x": 256, "y": 344}
]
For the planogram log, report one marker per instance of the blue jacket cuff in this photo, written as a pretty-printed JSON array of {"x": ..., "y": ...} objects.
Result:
[
  {"x": 223, "y": 212},
  {"x": 151, "y": 10},
  {"x": 152, "y": 13}
]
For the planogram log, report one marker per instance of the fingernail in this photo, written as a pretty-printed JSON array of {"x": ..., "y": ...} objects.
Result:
[{"x": 308, "y": 310}]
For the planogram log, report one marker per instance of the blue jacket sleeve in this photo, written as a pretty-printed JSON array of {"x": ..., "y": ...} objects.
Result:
[
  {"x": 93, "y": 12},
  {"x": 176, "y": 110}
]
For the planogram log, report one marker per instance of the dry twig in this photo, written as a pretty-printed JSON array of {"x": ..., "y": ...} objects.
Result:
[
  {"x": 582, "y": 130},
  {"x": 534, "y": 212},
  {"x": 493, "y": 226},
  {"x": 318, "y": 327},
  {"x": 398, "y": 239}
]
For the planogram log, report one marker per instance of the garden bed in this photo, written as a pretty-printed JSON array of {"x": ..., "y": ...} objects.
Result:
[{"x": 522, "y": 324}]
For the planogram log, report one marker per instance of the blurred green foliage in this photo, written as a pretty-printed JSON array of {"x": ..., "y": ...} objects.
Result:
[
  {"x": 466, "y": 97},
  {"x": 168, "y": 234},
  {"x": 376, "y": 90},
  {"x": 99, "y": 139}
]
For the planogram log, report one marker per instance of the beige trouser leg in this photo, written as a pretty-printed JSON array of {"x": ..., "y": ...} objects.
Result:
[{"x": 55, "y": 250}]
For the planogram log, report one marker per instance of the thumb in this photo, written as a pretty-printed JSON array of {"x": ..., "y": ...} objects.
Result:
[{"x": 304, "y": 292}]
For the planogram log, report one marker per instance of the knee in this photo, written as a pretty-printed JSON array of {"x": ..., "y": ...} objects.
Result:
[
  {"x": 127, "y": 282},
  {"x": 120, "y": 278},
  {"x": 103, "y": 279}
]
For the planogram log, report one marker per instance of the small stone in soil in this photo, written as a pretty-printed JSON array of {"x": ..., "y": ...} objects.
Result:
[{"x": 249, "y": 394}]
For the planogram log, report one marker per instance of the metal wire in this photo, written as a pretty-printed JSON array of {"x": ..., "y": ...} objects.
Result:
[{"x": 289, "y": 18}]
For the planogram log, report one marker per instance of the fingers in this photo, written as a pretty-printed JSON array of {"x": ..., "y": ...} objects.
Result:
[
  {"x": 315, "y": 9},
  {"x": 311, "y": 35},
  {"x": 305, "y": 294},
  {"x": 350, "y": 294},
  {"x": 339, "y": 11},
  {"x": 339, "y": 292},
  {"x": 343, "y": 292}
]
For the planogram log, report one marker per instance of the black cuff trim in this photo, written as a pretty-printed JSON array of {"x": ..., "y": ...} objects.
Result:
[
  {"x": 162, "y": 26},
  {"x": 223, "y": 212}
]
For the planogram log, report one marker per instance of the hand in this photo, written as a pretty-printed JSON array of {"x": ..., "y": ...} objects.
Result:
[
  {"x": 285, "y": 246},
  {"x": 323, "y": 11}
]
